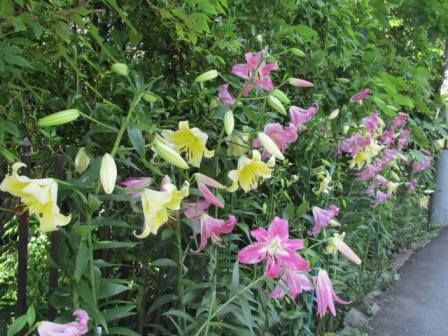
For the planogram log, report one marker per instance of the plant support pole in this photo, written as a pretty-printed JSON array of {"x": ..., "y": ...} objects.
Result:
[
  {"x": 24, "y": 220},
  {"x": 54, "y": 240}
]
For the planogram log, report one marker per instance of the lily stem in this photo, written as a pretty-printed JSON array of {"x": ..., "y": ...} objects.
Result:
[{"x": 229, "y": 301}]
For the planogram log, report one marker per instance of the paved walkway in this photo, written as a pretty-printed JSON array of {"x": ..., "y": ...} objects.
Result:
[{"x": 418, "y": 304}]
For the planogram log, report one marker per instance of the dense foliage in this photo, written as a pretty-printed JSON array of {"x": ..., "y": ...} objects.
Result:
[{"x": 131, "y": 68}]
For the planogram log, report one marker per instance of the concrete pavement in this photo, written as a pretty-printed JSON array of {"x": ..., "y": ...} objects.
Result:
[{"x": 418, "y": 304}]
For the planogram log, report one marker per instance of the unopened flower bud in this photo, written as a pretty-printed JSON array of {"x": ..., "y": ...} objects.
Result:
[
  {"x": 149, "y": 97},
  {"x": 120, "y": 69},
  {"x": 229, "y": 122},
  {"x": 269, "y": 145},
  {"x": 276, "y": 105},
  {"x": 82, "y": 161},
  {"x": 297, "y": 52},
  {"x": 334, "y": 114},
  {"x": 206, "y": 76},
  {"x": 108, "y": 173},
  {"x": 59, "y": 118},
  {"x": 280, "y": 95},
  {"x": 300, "y": 82},
  {"x": 169, "y": 154}
]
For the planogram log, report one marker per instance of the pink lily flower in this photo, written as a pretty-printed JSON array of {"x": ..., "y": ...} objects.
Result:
[
  {"x": 388, "y": 137},
  {"x": 368, "y": 172},
  {"x": 371, "y": 122},
  {"x": 194, "y": 210},
  {"x": 203, "y": 183},
  {"x": 381, "y": 198},
  {"x": 361, "y": 95},
  {"x": 274, "y": 246},
  {"x": 226, "y": 98},
  {"x": 296, "y": 281},
  {"x": 354, "y": 144},
  {"x": 325, "y": 294},
  {"x": 213, "y": 228},
  {"x": 412, "y": 185},
  {"x": 300, "y": 116},
  {"x": 282, "y": 137},
  {"x": 136, "y": 183},
  {"x": 424, "y": 164},
  {"x": 76, "y": 328},
  {"x": 300, "y": 82},
  {"x": 322, "y": 218},
  {"x": 403, "y": 138},
  {"x": 399, "y": 120},
  {"x": 255, "y": 70}
]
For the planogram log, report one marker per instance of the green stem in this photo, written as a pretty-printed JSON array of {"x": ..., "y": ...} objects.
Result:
[
  {"x": 92, "y": 267},
  {"x": 212, "y": 302},
  {"x": 180, "y": 267},
  {"x": 98, "y": 122},
  {"x": 125, "y": 123},
  {"x": 229, "y": 301},
  {"x": 29, "y": 332}
]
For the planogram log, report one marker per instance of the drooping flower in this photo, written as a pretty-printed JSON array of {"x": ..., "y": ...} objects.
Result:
[
  {"x": 256, "y": 71},
  {"x": 294, "y": 281},
  {"x": 300, "y": 116},
  {"x": 300, "y": 82},
  {"x": 337, "y": 244},
  {"x": 403, "y": 138},
  {"x": 323, "y": 217},
  {"x": 366, "y": 155},
  {"x": 388, "y": 137},
  {"x": 399, "y": 120},
  {"x": 157, "y": 205},
  {"x": 361, "y": 95},
  {"x": 203, "y": 183},
  {"x": 39, "y": 195},
  {"x": 372, "y": 123},
  {"x": 381, "y": 198},
  {"x": 108, "y": 173},
  {"x": 136, "y": 183},
  {"x": 76, "y": 328},
  {"x": 412, "y": 185},
  {"x": 325, "y": 179},
  {"x": 355, "y": 144},
  {"x": 190, "y": 141},
  {"x": 282, "y": 136},
  {"x": 325, "y": 294},
  {"x": 274, "y": 246},
  {"x": 250, "y": 172},
  {"x": 225, "y": 96},
  {"x": 423, "y": 164},
  {"x": 212, "y": 228}
]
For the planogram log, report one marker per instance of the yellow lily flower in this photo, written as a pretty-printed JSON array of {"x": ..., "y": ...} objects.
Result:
[
  {"x": 157, "y": 205},
  {"x": 191, "y": 141},
  {"x": 250, "y": 171},
  {"x": 238, "y": 144},
  {"x": 39, "y": 195},
  {"x": 325, "y": 178},
  {"x": 366, "y": 155}
]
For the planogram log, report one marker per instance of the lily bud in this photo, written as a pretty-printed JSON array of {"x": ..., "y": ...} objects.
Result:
[
  {"x": 59, "y": 118},
  {"x": 297, "y": 52},
  {"x": 270, "y": 146},
  {"x": 280, "y": 95},
  {"x": 334, "y": 114},
  {"x": 108, "y": 173},
  {"x": 276, "y": 105},
  {"x": 343, "y": 80},
  {"x": 207, "y": 76},
  {"x": 229, "y": 122},
  {"x": 169, "y": 154},
  {"x": 300, "y": 82},
  {"x": 120, "y": 69},
  {"x": 149, "y": 97},
  {"x": 82, "y": 161}
]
